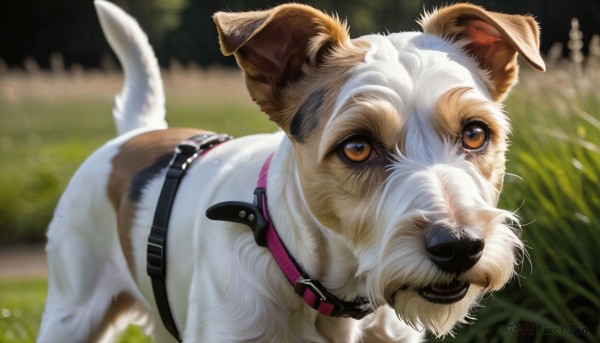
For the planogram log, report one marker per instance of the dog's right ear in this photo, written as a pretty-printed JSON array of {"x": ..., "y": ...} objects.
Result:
[
  {"x": 274, "y": 47},
  {"x": 494, "y": 39}
]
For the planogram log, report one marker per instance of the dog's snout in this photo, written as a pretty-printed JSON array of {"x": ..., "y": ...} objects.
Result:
[{"x": 453, "y": 250}]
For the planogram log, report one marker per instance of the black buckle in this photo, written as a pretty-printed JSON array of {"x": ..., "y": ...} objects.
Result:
[
  {"x": 244, "y": 213},
  {"x": 188, "y": 147},
  {"x": 207, "y": 141},
  {"x": 155, "y": 266}
]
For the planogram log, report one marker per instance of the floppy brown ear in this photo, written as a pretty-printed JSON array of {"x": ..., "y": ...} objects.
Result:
[
  {"x": 493, "y": 38},
  {"x": 273, "y": 47}
]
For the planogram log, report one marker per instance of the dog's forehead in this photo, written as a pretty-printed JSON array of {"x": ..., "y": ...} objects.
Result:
[{"x": 417, "y": 68}]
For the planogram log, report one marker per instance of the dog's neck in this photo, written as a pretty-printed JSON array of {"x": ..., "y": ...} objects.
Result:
[{"x": 323, "y": 254}]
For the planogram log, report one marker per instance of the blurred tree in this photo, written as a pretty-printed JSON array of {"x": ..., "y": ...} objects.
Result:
[
  {"x": 183, "y": 29},
  {"x": 195, "y": 40},
  {"x": 37, "y": 28}
]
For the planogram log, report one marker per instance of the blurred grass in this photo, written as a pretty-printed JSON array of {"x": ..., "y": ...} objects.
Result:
[
  {"x": 21, "y": 305},
  {"x": 51, "y": 123}
]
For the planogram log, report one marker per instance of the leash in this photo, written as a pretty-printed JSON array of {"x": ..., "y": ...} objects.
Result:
[
  {"x": 256, "y": 216},
  {"x": 185, "y": 153}
]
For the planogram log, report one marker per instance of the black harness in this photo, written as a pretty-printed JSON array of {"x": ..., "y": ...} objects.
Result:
[
  {"x": 185, "y": 153},
  {"x": 254, "y": 215}
]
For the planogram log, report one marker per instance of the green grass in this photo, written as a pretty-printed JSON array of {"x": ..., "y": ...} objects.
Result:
[{"x": 21, "y": 305}]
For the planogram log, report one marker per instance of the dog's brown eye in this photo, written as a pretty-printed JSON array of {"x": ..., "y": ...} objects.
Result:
[
  {"x": 474, "y": 136},
  {"x": 357, "y": 150}
]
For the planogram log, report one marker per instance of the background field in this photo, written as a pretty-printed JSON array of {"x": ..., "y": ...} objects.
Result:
[{"x": 51, "y": 122}]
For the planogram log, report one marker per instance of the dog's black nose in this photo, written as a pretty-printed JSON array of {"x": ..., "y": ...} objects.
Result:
[{"x": 453, "y": 250}]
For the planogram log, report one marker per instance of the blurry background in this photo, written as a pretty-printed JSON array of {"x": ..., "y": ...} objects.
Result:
[
  {"x": 182, "y": 30},
  {"x": 58, "y": 79}
]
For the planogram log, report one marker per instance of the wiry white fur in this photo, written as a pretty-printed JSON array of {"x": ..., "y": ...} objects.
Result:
[
  {"x": 141, "y": 103},
  {"x": 221, "y": 285}
]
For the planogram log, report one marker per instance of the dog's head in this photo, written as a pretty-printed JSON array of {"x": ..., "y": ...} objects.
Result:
[{"x": 399, "y": 142}]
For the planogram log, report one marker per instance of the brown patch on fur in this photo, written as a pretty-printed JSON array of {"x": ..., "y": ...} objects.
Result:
[
  {"x": 343, "y": 198},
  {"x": 334, "y": 190},
  {"x": 134, "y": 156},
  {"x": 341, "y": 195},
  {"x": 121, "y": 303},
  {"x": 367, "y": 115},
  {"x": 331, "y": 74},
  {"x": 493, "y": 38},
  {"x": 453, "y": 112}
]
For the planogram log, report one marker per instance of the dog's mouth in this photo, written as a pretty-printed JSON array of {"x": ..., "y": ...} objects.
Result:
[{"x": 445, "y": 293}]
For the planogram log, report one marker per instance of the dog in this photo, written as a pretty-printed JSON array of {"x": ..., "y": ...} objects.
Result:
[{"x": 371, "y": 216}]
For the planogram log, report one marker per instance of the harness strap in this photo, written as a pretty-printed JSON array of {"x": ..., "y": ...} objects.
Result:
[{"x": 185, "y": 153}]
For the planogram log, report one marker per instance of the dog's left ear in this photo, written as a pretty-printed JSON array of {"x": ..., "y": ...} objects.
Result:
[
  {"x": 493, "y": 38},
  {"x": 274, "y": 47}
]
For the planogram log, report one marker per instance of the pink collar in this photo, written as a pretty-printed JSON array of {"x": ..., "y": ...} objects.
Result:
[{"x": 257, "y": 217}]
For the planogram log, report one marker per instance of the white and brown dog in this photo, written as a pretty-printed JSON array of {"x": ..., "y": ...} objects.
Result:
[{"x": 382, "y": 188}]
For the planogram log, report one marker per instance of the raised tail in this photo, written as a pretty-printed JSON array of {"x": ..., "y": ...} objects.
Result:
[{"x": 141, "y": 103}]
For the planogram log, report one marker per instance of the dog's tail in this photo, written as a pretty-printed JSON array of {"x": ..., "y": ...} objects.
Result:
[{"x": 141, "y": 103}]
